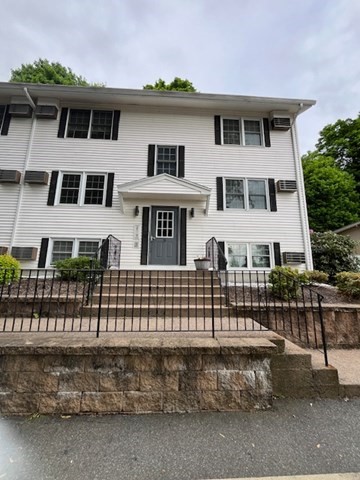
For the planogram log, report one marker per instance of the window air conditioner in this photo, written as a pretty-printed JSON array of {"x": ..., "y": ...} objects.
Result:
[
  {"x": 46, "y": 111},
  {"x": 10, "y": 176},
  {"x": 286, "y": 186},
  {"x": 40, "y": 177},
  {"x": 20, "y": 110},
  {"x": 294, "y": 257},
  {"x": 24, "y": 253}
]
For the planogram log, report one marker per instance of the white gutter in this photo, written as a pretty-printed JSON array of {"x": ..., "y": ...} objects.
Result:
[
  {"x": 27, "y": 159},
  {"x": 301, "y": 191}
]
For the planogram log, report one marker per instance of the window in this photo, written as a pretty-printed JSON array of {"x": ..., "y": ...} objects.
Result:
[
  {"x": 68, "y": 248},
  {"x": 95, "y": 124},
  {"x": 246, "y": 194},
  {"x": 249, "y": 255},
  {"x": 237, "y": 131},
  {"x": 2, "y": 115},
  {"x": 166, "y": 160},
  {"x": 164, "y": 224},
  {"x": 82, "y": 188}
]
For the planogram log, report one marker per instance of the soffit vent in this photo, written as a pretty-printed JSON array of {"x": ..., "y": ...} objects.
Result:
[
  {"x": 10, "y": 176},
  {"x": 24, "y": 253},
  {"x": 20, "y": 110},
  {"x": 46, "y": 111},
  {"x": 294, "y": 257},
  {"x": 37, "y": 177},
  {"x": 286, "y": 186}
]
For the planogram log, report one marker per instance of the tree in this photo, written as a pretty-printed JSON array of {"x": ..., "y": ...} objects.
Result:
[
  {"x": 333, "y": 253},
  {"x": 42, "y": 71},
  {"x": 331, "y": 193},
  {"x": 177, "y": 84},
  {"x": 341, "y": 141}
]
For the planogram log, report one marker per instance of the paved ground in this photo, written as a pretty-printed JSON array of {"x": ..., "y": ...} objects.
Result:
[
  {"x": 347, "y": 363},
  {"x": 295, "y": 437}
]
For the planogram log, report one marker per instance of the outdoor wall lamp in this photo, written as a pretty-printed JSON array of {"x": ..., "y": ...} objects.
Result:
[
  {"x": 192, "y": 212},
  {"x": 136, "y": 211}
]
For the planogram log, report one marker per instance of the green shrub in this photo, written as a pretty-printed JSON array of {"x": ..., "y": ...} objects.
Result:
[
  {"x": 286, "y": 282},
  {"x": 315, "y": 276},
  {"x": 348, "y": 283},
  {"x": 333, "y": 253},
  {"x": 9, "y": 269},
  {"x": 76, "y": 268}
]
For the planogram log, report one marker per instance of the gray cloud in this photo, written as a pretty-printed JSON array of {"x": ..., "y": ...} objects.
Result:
[{"x": 306, "y": 49}]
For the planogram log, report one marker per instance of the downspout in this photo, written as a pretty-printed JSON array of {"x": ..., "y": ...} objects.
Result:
[
  {"x": 302, "y": 197},
  {"x": 27, "y": 159}
]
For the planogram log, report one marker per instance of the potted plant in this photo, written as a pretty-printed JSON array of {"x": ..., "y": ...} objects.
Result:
[{"x": 202, "y": 263}]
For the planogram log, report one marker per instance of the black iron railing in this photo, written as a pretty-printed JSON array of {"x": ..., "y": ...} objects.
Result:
[
  {"x": 215, "y": 253},
  {"x": 124, "y": 301}
]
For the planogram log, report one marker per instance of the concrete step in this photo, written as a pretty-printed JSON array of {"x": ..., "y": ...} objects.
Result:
[
  {"x": 159, "y": 274},
  {"x": 158, "y": 289},
  {"x": 160, "y": 310},
  {"x": 156, "y": 299}
]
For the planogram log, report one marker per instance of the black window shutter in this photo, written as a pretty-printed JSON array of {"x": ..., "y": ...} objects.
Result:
[
  {"x": 221, "y": 256},
  {"x": 217, "y": 122},
  {"x": 116, "y": 120},
  {"x": 109, "y": 190},
  {"x": 145, "y": 236},
  {"x": 272, "y": 194},
  {"x": 43, "y": 252},
  {"x": 181, "y": 161},
  {"x": 266, "y": 132},
  {"x": 151, "y": 161},
  {"x": 52, "y": 189},
  {"x": 220, "y": 193},
  {"x": 183, "y": 217},
  {"x": 62, "y": 123},
  {"x": 277, "y": 254},
  {"x": 6, "y": 121}
]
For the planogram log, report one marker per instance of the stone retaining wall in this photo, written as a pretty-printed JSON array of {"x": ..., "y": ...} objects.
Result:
[{"x": 135, "y": 376}]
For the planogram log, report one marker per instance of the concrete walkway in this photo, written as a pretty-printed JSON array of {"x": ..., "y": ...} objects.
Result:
[{"x": 347, "y": 363}]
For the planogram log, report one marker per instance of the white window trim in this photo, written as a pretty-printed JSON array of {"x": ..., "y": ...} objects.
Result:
[
  {"x": 82, "y": 189},
  {"x": 177, "y": 156},
  {"x": 242, "y": 132},
  {"x": 90, "y": 123},
  {"x": 246, "y": 195},
  {"x": 75, "y": 248},
  {"x": 249, "y": 256}
]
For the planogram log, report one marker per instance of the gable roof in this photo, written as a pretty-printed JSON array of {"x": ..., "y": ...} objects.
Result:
[{"x": 164, "y": 187}]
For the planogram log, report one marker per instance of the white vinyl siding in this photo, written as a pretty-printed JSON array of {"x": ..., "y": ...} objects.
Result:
[{"x": 127, "y": 158}]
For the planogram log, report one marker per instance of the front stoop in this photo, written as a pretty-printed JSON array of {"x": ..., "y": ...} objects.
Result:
[{"x": 295, "y": 375}]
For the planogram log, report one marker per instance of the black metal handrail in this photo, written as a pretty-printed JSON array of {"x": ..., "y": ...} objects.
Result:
[{"x": 215, "y": 253}]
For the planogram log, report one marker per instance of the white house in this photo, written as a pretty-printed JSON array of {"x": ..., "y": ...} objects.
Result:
[{"x": 163, "y": 172}]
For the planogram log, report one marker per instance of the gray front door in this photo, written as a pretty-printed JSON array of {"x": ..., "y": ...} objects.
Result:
[{"x": 164, "y": 236}]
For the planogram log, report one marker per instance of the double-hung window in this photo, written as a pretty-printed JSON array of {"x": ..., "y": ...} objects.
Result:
[
  {"x": 246, "y": 194},
  {"x": 242, "y": 131},
  {"x": 95, "y": 124},
  {"x": 249, "y": 255},
  {"x": 166, "y": 159},
  {"x": 68, "y": 248},
  {"x": 82, "y": 188}
]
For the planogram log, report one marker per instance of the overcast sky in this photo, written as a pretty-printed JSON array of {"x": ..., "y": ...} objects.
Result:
[{"x": 285, "y": 48}]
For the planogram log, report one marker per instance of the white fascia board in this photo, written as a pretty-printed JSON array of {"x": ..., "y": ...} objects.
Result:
[{"x": 156, "y": 180}]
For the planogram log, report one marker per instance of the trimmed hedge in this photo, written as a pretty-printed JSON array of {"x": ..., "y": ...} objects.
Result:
[
  {"x": 9, "y": 269},
  {"x": 348, "y": 283},
  {"x": 76, "y": 269}
]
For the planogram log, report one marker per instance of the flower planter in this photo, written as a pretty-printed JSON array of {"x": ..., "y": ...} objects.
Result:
[{"x": 202, "y": 264}]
